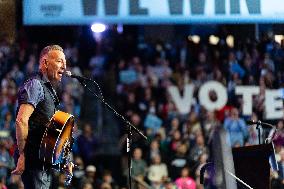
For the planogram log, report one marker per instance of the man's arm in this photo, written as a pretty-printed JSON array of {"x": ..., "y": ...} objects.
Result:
[{"x": 22, "y": 126}]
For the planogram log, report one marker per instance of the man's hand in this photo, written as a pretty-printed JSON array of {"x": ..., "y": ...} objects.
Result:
[
  {"x": 20, "y": 165},
  {"x": 68, "y": 173},
  {"x": 69, "y": 168}
]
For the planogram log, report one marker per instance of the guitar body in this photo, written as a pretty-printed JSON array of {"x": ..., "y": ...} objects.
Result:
[{"x": 57, "y": 139}]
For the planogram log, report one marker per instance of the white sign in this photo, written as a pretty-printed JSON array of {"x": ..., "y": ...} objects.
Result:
[
  {"x": 247, "y": 93},
  {"x": 273, "y": 104},
  {"x": 151, "y": 11},
  {"x": 273, "y": 98},
  {"x": 221, "y": 94},
  {"x": 183, "y": 102}
]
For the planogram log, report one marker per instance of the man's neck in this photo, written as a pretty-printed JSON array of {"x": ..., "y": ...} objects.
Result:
[{"x": 53, "y": 83}]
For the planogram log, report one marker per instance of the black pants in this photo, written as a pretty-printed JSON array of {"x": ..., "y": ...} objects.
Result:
[{"x": 36, "y": 179}]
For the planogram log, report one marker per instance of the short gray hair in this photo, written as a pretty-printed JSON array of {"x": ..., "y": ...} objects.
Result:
[{"x": 46, "y": 50}]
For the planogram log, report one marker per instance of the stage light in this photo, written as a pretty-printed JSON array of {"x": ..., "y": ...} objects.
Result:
[
  {"x": 214, "y": 40},
  {"x": 194, "y": 38},
  {"x": 98, "y": 27},
  {"x": 278, "y": 38},
  {"x": 119, "y": 28},
  {"x": 230, "y": 40}
]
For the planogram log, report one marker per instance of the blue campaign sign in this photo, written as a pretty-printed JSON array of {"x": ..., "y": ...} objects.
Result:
[
  {"x": 127, "y": 76},
  {"x": 39, "y": 12}
]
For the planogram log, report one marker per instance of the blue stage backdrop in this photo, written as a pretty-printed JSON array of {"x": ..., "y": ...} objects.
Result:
[{"x": 42, "y": 12}]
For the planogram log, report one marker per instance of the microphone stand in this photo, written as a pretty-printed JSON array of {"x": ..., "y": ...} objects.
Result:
[
  {"x": 128, "y": 150},
  {"x": 130, "y": 125},
  {"x": 258, "y": 125}
]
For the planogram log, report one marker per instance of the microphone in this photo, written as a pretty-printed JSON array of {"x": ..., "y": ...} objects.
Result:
[
  {"x": 80, "y": 78},
  {"x": 252, "y": 122},
  {"x": 83, "y": 80},
  {"x": 263, "y": 124}
]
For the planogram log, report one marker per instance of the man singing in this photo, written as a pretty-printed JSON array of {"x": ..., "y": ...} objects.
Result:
[{"x": 37, "y": 102}]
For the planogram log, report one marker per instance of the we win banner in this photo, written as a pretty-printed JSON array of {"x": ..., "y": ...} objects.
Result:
[{"x": 38, "y": 12}]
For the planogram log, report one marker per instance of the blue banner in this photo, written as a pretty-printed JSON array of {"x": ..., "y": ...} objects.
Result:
[{"x": 42, "y": 12}]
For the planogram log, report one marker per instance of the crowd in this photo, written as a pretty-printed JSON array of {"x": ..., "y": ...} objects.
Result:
[{"x": 138, "y": 74}]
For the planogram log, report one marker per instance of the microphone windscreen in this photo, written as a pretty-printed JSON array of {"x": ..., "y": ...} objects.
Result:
[
  {"x": 251, "y": 122},
  {"x": 68, "y": 73}
]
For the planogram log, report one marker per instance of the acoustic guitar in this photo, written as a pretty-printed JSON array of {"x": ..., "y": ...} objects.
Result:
[{"x": 57, "y": 141}]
